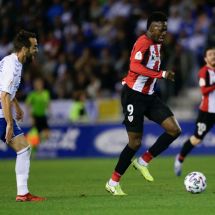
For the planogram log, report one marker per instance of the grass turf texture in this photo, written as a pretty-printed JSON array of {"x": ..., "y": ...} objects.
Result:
[{"x": 76, "y": 186}]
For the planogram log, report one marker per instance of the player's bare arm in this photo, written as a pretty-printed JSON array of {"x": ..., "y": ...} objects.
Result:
[
  {"x": 18, "y": 110},
  {"x": 6, "y": 107}
]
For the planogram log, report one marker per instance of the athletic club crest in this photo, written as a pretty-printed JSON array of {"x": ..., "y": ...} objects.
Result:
[{"x": 130, "y": 118}]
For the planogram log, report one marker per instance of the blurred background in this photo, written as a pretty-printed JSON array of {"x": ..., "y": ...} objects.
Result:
[{"x": 84, "y": 49}]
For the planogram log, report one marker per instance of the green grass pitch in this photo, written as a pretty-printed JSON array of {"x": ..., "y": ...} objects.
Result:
[{"x": 76, "y": 186}]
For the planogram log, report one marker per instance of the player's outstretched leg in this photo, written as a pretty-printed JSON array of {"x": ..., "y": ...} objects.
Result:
[{"x": 143, "y": 170}]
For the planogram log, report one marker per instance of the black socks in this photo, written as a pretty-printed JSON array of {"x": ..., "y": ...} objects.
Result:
[
  {"x": 186, "y": 149},
  {"x": 161, "y": 144},
  {"x": 124, "y": 160}
]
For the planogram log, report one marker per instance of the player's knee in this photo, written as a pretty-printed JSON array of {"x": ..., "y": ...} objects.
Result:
[
  {"x": 134, "y": 140},
  {"x": 194, "y": 140},
  {"x": 135, "y": 144},
  {"x": 19, "y": 143},
  {"x": 174, "y": 131}
]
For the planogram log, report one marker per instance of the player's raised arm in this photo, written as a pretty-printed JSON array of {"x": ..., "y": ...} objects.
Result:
[
  {"x": 203, "y": 80},
  {"x": 207, "y": 89},
  {"x": 139, "y": 51},
  {"x": 137, "y": 67},
  {"x": 205, "y": 84}
]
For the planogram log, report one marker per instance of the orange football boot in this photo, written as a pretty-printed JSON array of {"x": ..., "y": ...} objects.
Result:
[{"x": 29, "y": 198}]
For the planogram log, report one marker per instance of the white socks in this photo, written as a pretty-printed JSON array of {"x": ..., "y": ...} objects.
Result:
[
  {"x": 22, "y": 170},
  {"x": 113, "y": 183},
  {"x": 142, "y": 162}
]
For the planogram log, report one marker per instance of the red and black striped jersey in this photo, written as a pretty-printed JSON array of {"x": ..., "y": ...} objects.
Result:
[
  {"x": 144, "y": 66},
  {"x": 207, "y": 86}
]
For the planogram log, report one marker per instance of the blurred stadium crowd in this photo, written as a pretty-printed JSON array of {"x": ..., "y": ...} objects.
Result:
[{"x": 84, "y": 45}]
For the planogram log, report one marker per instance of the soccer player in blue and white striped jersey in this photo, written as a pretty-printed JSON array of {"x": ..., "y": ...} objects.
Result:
[{"x": 25, "y": 49}]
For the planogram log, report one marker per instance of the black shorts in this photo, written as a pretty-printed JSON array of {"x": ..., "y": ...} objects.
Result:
[
  {"x": 40, "y": 122},
  {"x": 204, "y": 123},
  {"x": 137, "y": 105}
]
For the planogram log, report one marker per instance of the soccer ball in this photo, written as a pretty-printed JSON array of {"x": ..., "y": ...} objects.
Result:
[{"x": 195, "y": 182}]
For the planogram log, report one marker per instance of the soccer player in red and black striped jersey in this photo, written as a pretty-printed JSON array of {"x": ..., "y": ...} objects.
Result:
[
  {"x": 206, "y": 117},
  {"x": 139, "y": 100}
]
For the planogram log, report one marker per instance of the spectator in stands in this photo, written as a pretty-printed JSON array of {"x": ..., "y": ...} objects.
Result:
[{"x": 67, "y": 28}]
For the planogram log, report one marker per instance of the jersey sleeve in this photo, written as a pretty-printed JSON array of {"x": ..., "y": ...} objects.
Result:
[
  {"x": 7, "y": 75},
  {"x": 137, "y": 55},
  {"x": 204, "y": 82}
]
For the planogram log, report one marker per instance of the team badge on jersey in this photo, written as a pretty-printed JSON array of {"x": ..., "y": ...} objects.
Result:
[
  {"x": 202, "y": 82},
  {"x": 138, "y": 56},
  {"x": 130, "y": 118}
]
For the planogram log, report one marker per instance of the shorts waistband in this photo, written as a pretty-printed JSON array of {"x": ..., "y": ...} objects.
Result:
[{"x": 139, "y": 93}]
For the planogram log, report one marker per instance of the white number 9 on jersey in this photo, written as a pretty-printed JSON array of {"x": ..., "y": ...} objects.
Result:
[{"x": 130, "y": 109}]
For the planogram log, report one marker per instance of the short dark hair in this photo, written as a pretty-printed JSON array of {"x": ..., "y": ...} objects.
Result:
[
  {"x": 208, "y": 48},
  {"x": 22, "y": 39},
  {"x": 156, "y": 17}
]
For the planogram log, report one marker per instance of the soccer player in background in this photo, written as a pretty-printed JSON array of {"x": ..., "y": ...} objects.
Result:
[
  {"x": 38, "y": 102},
  {"x": 139, "y": 99},
  {"x": 25, "y": 49},
  {"x": 206, "y": 116}
]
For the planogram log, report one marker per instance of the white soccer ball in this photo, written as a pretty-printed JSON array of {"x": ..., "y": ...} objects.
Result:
[{"x": 195, "y": 182}]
